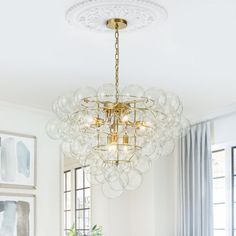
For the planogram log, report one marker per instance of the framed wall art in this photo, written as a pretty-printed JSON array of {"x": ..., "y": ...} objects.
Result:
[
  {"x": 17, "y": 160},
  {"x": 17, "y": 214}
]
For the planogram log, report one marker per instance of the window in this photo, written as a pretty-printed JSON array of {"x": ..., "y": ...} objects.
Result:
[
  {"x": 82, "y": 206},
  {"x": 219, "y": 192},
  {"x": 77, "y": 204},
  {"x": 234, "y": 188},
  {"x": 67, "y": 201},
  {"x": 224, "y": 187}
]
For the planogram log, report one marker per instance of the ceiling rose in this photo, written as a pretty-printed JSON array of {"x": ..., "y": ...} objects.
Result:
[
  {"x": 117, "y": 132},
  {"x": 93, "y": 14}
]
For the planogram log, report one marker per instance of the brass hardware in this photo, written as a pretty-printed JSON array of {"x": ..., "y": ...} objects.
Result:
[
  {"x": 139, "y": 124},
  {"x": 125, "y": 139},
  {"x": 116, "y": 23},
  {"x": 114, "y": 138},
  {"x": 117, "y": 57},
  {"x": 114, "y": 111},
  {"x": 98, "y": 121},
  {"x": 109, "y": 139}
]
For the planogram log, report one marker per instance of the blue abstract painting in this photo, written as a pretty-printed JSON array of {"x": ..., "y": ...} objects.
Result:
[
  {"x": 17, "y": 160},
  {"x": 16, "y": 216}
]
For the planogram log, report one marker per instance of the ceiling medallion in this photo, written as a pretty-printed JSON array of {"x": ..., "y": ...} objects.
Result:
[
  {"x": 117, "y": 132},
  {"x": 93, "y": 13}
]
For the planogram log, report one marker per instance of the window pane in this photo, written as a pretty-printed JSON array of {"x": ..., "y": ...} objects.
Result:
[
  {"x": 218, "y": 161},
  {"x": 234, "y": 155},
  {"x": 79, "y": 178},
  {"x": 68, "y": 220},
  {"x": 219, "y": 233},
  {"x": 87, "y": 198},
  {"x": 79, "y": 199},
  {"x": 68, "y": 201},
  {"x": 87, "y": 177},
  {"x": 64, "y": 182},
  {"x": 82, "y": 188},
  {"x": 79, "y": 219},
  {"x": 81, "y": 232},
  {"x": 235, "y": 216},
  {"x": 65, "y": 220},
  {"x": 87, "y": 219},
  {"x": 234, "y": 188},
  {"x": 219, "y": 216},
  {"x": 219, "y": 193},
  {"x": 68, "y": 181}
]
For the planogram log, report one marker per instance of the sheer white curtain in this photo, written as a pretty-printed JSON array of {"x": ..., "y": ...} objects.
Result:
[{"x": 195, "y": 217}]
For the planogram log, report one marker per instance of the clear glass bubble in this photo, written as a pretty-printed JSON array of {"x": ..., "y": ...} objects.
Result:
[
  {"x": 52, "y": 129},
  {"x": 157, "y": 95},
  {"x": 85, "y": 92},
  {"x": 65, "y": 147},
  {"x": 78, "y": 147},
  {"x": 185, "y": 126},
  {"x": 173, "y": 103},
  {"x": 132, "y": 91},
  {"x": 143, "y": 164},
  {"x": 168, "y": 147},
  {"x": 66, "y": 103},
  {"x": 107, "y": 92},
  {"x": 109, "y": 192},
  {"x": 111, "y": 174},
  {"x": 135, "y": 179},
  {"x": 94, "y": 161},
  {"x": 149, "y": 148},
  {"x": 120, "y": 183}
]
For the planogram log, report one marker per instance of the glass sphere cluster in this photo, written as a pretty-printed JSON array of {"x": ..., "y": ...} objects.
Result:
[{"x": 117, "y": 133}]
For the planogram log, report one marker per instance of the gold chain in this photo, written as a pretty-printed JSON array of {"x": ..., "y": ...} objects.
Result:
[{"x": 117, "y": 62}]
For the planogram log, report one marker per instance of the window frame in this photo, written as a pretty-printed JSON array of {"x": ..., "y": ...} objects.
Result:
[
  {"x": 73, "y": 168},
  {"x": 229, "y": 183},
  {"x": 233, "y": 149},
  {"x": 84, "y": 209},
  {"x": 65, "y": 191}
]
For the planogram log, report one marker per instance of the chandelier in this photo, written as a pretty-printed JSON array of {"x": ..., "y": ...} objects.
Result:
[{"x": 117, "y": 132}]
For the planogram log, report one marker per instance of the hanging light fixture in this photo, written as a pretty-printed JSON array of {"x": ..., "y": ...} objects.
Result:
[{"x": 117, "y": 132}]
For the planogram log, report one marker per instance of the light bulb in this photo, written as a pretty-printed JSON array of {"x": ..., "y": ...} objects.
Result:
[
  {"x": 125, "y": 118},
  {"x": 112, "y": 148},
  {"x": 125, "y": 148}
]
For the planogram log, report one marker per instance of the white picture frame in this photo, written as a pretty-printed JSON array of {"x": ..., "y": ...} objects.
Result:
[
  {"x": 18, "y": 156},
  {"x": 17, "y": 214}
]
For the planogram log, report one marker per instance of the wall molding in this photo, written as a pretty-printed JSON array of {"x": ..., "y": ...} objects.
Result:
[
  {"x": 4, "y": 105},
  {"x": 217, "y": 114}
]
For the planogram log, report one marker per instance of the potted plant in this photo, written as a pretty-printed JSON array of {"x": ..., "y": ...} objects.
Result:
[
  {"x": 96, "y": 230},
  {"x": 72, "y": 231}
]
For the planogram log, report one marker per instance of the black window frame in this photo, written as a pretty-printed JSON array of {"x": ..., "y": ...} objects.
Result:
[
  {"x": 66, "y": 191},
  {"x": 217, "y": 178},
  {"x": 233, "y": 151},
  {"x": 83, "y": 230}
]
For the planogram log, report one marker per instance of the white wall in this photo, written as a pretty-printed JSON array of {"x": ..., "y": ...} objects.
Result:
[
  {"x": 20, "y": 119},
  {"x": 224, "y": 129},
  {"x": 149, "y": 210}
]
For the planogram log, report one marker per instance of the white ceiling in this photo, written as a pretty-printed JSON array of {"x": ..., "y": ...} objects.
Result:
[{"x": 192, "y": 54}]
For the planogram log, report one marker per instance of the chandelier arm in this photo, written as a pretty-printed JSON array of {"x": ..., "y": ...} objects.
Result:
[{"x": 117, "y": 57}]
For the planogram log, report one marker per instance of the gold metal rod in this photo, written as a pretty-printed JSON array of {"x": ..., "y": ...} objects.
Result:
[{"x": 117, "y": 63}]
